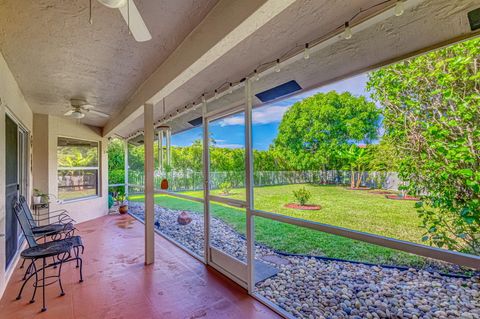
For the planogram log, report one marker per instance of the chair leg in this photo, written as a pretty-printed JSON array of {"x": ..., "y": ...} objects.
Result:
[
  {"x": 81, "y": 268},
  {"x": 25, "y": 282},
  {"x": 27, "y": 272},
  {"x": 44, "y": 308},
  {"x": 60, "y": 278},
  {"x": 35, "y": 285},
  {"x": 76, "y": 250},
  {"x": 23, "y": 263}
]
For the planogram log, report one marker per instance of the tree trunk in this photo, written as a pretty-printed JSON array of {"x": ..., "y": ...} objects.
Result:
[{"x": 352, "y": 179}]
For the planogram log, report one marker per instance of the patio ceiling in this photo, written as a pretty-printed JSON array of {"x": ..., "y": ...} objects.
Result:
[
  {"x": 55, "y": 54},
  {"x": 382, "y": 42}
]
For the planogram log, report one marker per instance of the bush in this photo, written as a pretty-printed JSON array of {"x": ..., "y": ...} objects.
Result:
[
  {"x": 226, "y": 187},
  {"x": 302, "y": 196}
]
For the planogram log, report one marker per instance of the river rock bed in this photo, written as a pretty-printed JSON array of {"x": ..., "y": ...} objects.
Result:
[{"x": 310, "y": 288}]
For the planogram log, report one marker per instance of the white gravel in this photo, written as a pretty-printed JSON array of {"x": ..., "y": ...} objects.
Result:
[{"x": 311, "y": 288}]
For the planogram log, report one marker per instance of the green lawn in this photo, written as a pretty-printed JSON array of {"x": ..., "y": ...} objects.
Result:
[{"x": 357, "y": 210}]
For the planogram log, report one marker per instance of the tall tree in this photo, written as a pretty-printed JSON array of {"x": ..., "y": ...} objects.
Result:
[
  {"x": 315, "y": 132},
  {"x": 431, "y": 112}
]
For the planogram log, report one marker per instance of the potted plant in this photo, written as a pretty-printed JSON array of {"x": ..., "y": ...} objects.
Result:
[
  {"x": 39, "y": 197},
  {"x": 122, "y": 203}
]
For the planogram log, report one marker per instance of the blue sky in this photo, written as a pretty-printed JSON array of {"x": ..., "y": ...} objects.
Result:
[{"x": 229, "y": 132}]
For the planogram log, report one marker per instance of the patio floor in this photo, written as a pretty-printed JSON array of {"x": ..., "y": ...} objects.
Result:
[{"x": 118, "y": 285}]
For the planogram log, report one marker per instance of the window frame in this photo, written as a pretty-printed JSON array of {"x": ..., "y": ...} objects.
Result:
[{"x": 86, "y": 168}]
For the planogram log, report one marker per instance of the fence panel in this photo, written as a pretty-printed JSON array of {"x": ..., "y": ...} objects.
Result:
[{"x": 180, "y": 181}]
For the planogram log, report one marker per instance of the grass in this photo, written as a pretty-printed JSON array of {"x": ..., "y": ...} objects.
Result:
[{"x": 357, "y": 210}]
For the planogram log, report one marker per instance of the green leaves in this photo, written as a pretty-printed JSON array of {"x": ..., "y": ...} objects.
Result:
[
  {"x": 315, "y": 131},
  {"x": 431, "y": 109}
]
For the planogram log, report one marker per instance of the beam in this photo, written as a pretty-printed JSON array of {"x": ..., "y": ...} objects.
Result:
[
  {"x": 149, "y": 137},
  {"x": 229, "y": 23}
]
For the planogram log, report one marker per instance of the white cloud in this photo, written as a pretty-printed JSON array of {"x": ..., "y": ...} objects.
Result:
[
  {"x": 226, "y": 145},
  {"x": 264, "y": 115}
]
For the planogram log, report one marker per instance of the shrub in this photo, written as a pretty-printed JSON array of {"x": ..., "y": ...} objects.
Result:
[
  {"x": 431, "y": 112},
  {"x": 226, "y": 187},
  {"x": 302, "y": 196}
]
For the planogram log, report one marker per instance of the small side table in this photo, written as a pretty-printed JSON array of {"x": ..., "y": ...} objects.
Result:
[{"x": 37, "y": 208}]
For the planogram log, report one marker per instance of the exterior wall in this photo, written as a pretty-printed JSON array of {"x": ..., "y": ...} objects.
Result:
[
  {"x": 82, "y": 209},
  {"x": 12, "y": 102},
  {"x": 42, "y": 165}
]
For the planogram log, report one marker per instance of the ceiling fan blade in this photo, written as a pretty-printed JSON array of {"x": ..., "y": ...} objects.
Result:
[
  {"x": 101, "y": 114},
  {"x": 87, "y": 107},
  {"x": 69, "y": 113},
  {"x": 137, "y": 25}
]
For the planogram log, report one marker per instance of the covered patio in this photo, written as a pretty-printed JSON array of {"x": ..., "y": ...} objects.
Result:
[
  {"x": 77, "y": 77},
  {"x": 117, "y": 284}
]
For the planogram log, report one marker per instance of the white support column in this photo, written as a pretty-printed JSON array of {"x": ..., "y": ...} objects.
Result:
[
  {"x": 125, "y": 152},
  {"x": 250, "y": 231},
  {"x": 149, "y": 137},
  {"x": 206, "y": 183}
]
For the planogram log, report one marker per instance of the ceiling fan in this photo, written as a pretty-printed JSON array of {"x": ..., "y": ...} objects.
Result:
[
  {"x": 80, "y": 108},
  {"x": 132, "y": 17}
]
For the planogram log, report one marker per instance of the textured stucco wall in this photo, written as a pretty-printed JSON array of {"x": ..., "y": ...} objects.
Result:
[
  {"x": 13, "y": 102},
  {"x": 82, "y": 209}
]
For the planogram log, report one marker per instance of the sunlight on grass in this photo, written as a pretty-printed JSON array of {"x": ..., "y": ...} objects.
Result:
[{"x": 357, "y": 210}]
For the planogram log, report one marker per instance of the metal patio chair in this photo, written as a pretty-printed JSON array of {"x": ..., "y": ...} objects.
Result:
[
  {"x": 60, "y": 250},
  {"x": 62, "y": 225},
  {"x": 62, "y": 229}
]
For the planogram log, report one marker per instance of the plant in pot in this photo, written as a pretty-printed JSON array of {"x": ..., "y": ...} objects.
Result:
[
  {"x": 39, "y": 197},
  {"x": 122, "y": 203}
]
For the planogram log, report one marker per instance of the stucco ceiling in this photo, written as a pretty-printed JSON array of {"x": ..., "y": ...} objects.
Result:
[
  {"x": 380, "y": 43},
  {"x": 55, "y": 54}
]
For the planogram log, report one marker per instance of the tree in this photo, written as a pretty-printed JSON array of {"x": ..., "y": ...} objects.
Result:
[
  {"x": 316, "y": 131},
  {"x": 357, "y": 160},
  {"x": 432, "y": 114},
  {"x": 116, "y": 166}
]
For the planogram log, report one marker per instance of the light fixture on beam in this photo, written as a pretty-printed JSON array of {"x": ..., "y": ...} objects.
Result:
[
  {"x": 256, "y": 76},
  {"x": 277, "y": 66},
  {"x": 306, "y": 52},
  {"x": 399, "y": 8},
  {"x": 347, "y": 33}
]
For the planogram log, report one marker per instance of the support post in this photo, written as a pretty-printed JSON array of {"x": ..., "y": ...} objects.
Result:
[
  {"x": 206, "y": 183},
  {"x": 149, "y": 137},
  {"x": 250, "y": 231},
  {"x": 125, "y": 152}
]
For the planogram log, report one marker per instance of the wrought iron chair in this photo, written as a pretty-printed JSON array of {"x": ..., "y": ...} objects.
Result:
[
  {"x": 62, "y": 226},
  {"x": 59, "y": 249},
  {"x": 56, "y": 231}
]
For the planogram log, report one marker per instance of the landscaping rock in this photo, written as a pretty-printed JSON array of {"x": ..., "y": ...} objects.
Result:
[
  {"x": 184, "y": 218},
  {"x": 314, "y": 288}
]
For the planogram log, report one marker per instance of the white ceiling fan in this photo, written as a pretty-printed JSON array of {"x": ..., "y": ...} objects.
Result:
[
  {"x": 80, "y": 108},
  {"x": 132, "y": 17}
]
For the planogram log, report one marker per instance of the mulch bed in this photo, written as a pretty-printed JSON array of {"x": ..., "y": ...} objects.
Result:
[
  {"x": 383, "y": 192},
  {"x": 302, "y": 207},
  {"x": 398, "y": 197},
  {"x": 358, "y": 188}
]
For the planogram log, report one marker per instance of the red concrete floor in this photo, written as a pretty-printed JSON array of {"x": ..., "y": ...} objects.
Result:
[{"x": 117, "y": 284}]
